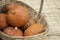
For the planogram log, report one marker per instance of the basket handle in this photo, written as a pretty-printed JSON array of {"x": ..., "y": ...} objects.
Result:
[{"x": 41, "y": 7}]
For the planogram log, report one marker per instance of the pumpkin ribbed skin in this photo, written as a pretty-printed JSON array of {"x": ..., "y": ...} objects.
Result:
[{"x": 17, "y": 16}]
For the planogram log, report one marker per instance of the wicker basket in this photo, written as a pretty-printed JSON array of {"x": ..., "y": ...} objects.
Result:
[{"x": 35, "y": 16}]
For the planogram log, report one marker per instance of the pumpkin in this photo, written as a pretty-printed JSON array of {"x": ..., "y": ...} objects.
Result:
[
  {"x": 9, "y": 31},
  {"x": 17, "y": 15},
  {"x": 3, "y": 22},
  {"x": 13, "y": 31},
  {"x": 33, "y": 29}
]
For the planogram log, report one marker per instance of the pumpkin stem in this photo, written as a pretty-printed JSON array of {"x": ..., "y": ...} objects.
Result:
[
  {"x": 16, "y": 28},
  {"x": 13, "y": 12}
]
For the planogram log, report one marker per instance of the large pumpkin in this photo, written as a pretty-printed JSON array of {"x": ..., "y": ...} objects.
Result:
[
  {"x": 3, "y": 22},
  {"x": 17, "y": 15}
]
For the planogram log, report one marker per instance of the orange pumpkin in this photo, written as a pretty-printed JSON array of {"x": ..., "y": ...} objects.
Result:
[
  {"x": 17, "y": 15},
  {"x": 3, "y": 22},
  {"x": 33, "y": 29},
  {"x": 13, "y": 32}
]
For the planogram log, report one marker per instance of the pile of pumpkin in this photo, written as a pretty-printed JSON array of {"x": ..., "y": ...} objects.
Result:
[{"x": 14, "y": 21}]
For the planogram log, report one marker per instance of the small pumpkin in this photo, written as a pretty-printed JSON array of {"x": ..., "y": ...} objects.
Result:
[
  {"x": 17, "y": 15},
  {"x": 33, "y": 29},
  {"x": 3, "y": 21},
  {"x": 9, "y": 31},
  {"x": 13, "y": 31}
]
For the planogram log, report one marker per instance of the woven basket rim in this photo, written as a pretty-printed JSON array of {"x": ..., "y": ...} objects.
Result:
[{"x": 25, "y": 36}]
